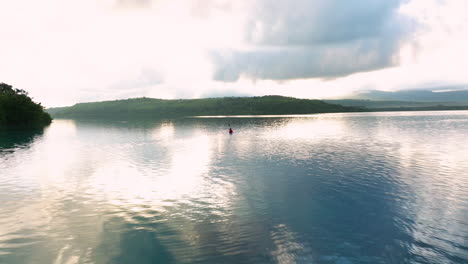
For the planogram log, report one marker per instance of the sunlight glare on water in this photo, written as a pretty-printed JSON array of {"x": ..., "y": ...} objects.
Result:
[{"x": 330, "y": 188}]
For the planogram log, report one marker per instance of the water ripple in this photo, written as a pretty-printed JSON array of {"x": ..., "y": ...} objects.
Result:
[{"x": 334, "y": 188}]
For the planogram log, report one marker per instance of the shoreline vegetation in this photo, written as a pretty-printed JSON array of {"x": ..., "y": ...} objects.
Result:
[
  {"x": 227, "y": 106},
  {"x": 18, "y": 110}
]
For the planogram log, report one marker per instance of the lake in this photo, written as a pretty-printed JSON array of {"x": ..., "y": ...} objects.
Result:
[{"x": 328, "y": 188}]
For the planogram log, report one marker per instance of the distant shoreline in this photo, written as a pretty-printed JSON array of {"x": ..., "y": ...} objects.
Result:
[
  {"x": 418, "y": 109},
  {"x": 160, "y": 108},
  {"x": 149, "y": 108}
]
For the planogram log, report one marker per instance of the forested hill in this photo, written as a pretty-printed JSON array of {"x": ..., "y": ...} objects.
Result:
[
  {"x": 18, "y": 110},
  {"x": 160, "y": 108}
]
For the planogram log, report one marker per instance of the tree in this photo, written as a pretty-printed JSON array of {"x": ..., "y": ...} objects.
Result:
[{"x": 17, "y": 109}]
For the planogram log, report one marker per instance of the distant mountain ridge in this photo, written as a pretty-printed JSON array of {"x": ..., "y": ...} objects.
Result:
[
  {"x": 412, "y": 95},
  {"x": 160, "y": 108}
]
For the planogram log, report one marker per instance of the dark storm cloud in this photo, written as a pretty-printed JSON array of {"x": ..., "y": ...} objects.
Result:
[
  {"x": 304, "y": 62},
  {"x": 316, "y": 39}
]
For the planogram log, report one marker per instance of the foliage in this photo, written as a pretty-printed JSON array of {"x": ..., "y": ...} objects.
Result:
[
  {"x": 159, "y": 108},
  {"x": 17, "y": 109}
]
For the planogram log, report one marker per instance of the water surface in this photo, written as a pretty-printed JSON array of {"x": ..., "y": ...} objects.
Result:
[{"x": 330, "y": 188}]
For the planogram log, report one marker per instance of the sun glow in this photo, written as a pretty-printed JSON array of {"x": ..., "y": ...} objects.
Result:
[{"x": 311, "y": 129}]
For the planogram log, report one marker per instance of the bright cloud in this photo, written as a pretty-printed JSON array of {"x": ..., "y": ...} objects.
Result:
[{"x": 65, "y": 51}]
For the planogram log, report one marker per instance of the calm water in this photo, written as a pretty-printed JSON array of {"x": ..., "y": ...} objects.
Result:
[{"x": 333, "y": 188}]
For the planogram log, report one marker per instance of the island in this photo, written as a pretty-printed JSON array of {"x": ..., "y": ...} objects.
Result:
[
  {"x": 18, "y": 110},
  {"x": 162, "y": 108},
  {"x": 261, "y": 105}
]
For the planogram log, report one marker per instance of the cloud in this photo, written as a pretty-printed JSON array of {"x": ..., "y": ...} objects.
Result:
[
  {"x": 134, "y": 85},
  {"x": 147, "y": 78},
  {"x": 304, "y": 62},
  {"x": 315, "y": 39},
  {"x": 206, "y": 8},
  {"x": 134, "y": 3},
  {"x": 306, "y": 22},
  {"x": 197, "y": 48}
]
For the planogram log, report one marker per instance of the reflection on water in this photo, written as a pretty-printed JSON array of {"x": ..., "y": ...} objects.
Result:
[
  {"x": 11, "y": 140},
  {"x": 332, "y": 188}
]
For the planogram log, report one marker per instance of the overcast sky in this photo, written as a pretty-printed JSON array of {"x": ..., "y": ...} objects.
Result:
[{"x": 68, "y": 51}]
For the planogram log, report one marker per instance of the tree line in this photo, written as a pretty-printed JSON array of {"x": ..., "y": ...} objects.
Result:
[{"x": 160, "y": 108}]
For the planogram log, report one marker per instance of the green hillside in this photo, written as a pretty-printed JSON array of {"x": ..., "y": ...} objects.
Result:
[{"x": 159, "y": 108}]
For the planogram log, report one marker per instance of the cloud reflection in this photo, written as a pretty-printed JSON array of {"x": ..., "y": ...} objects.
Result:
[{"x": 280, "y": 189}]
